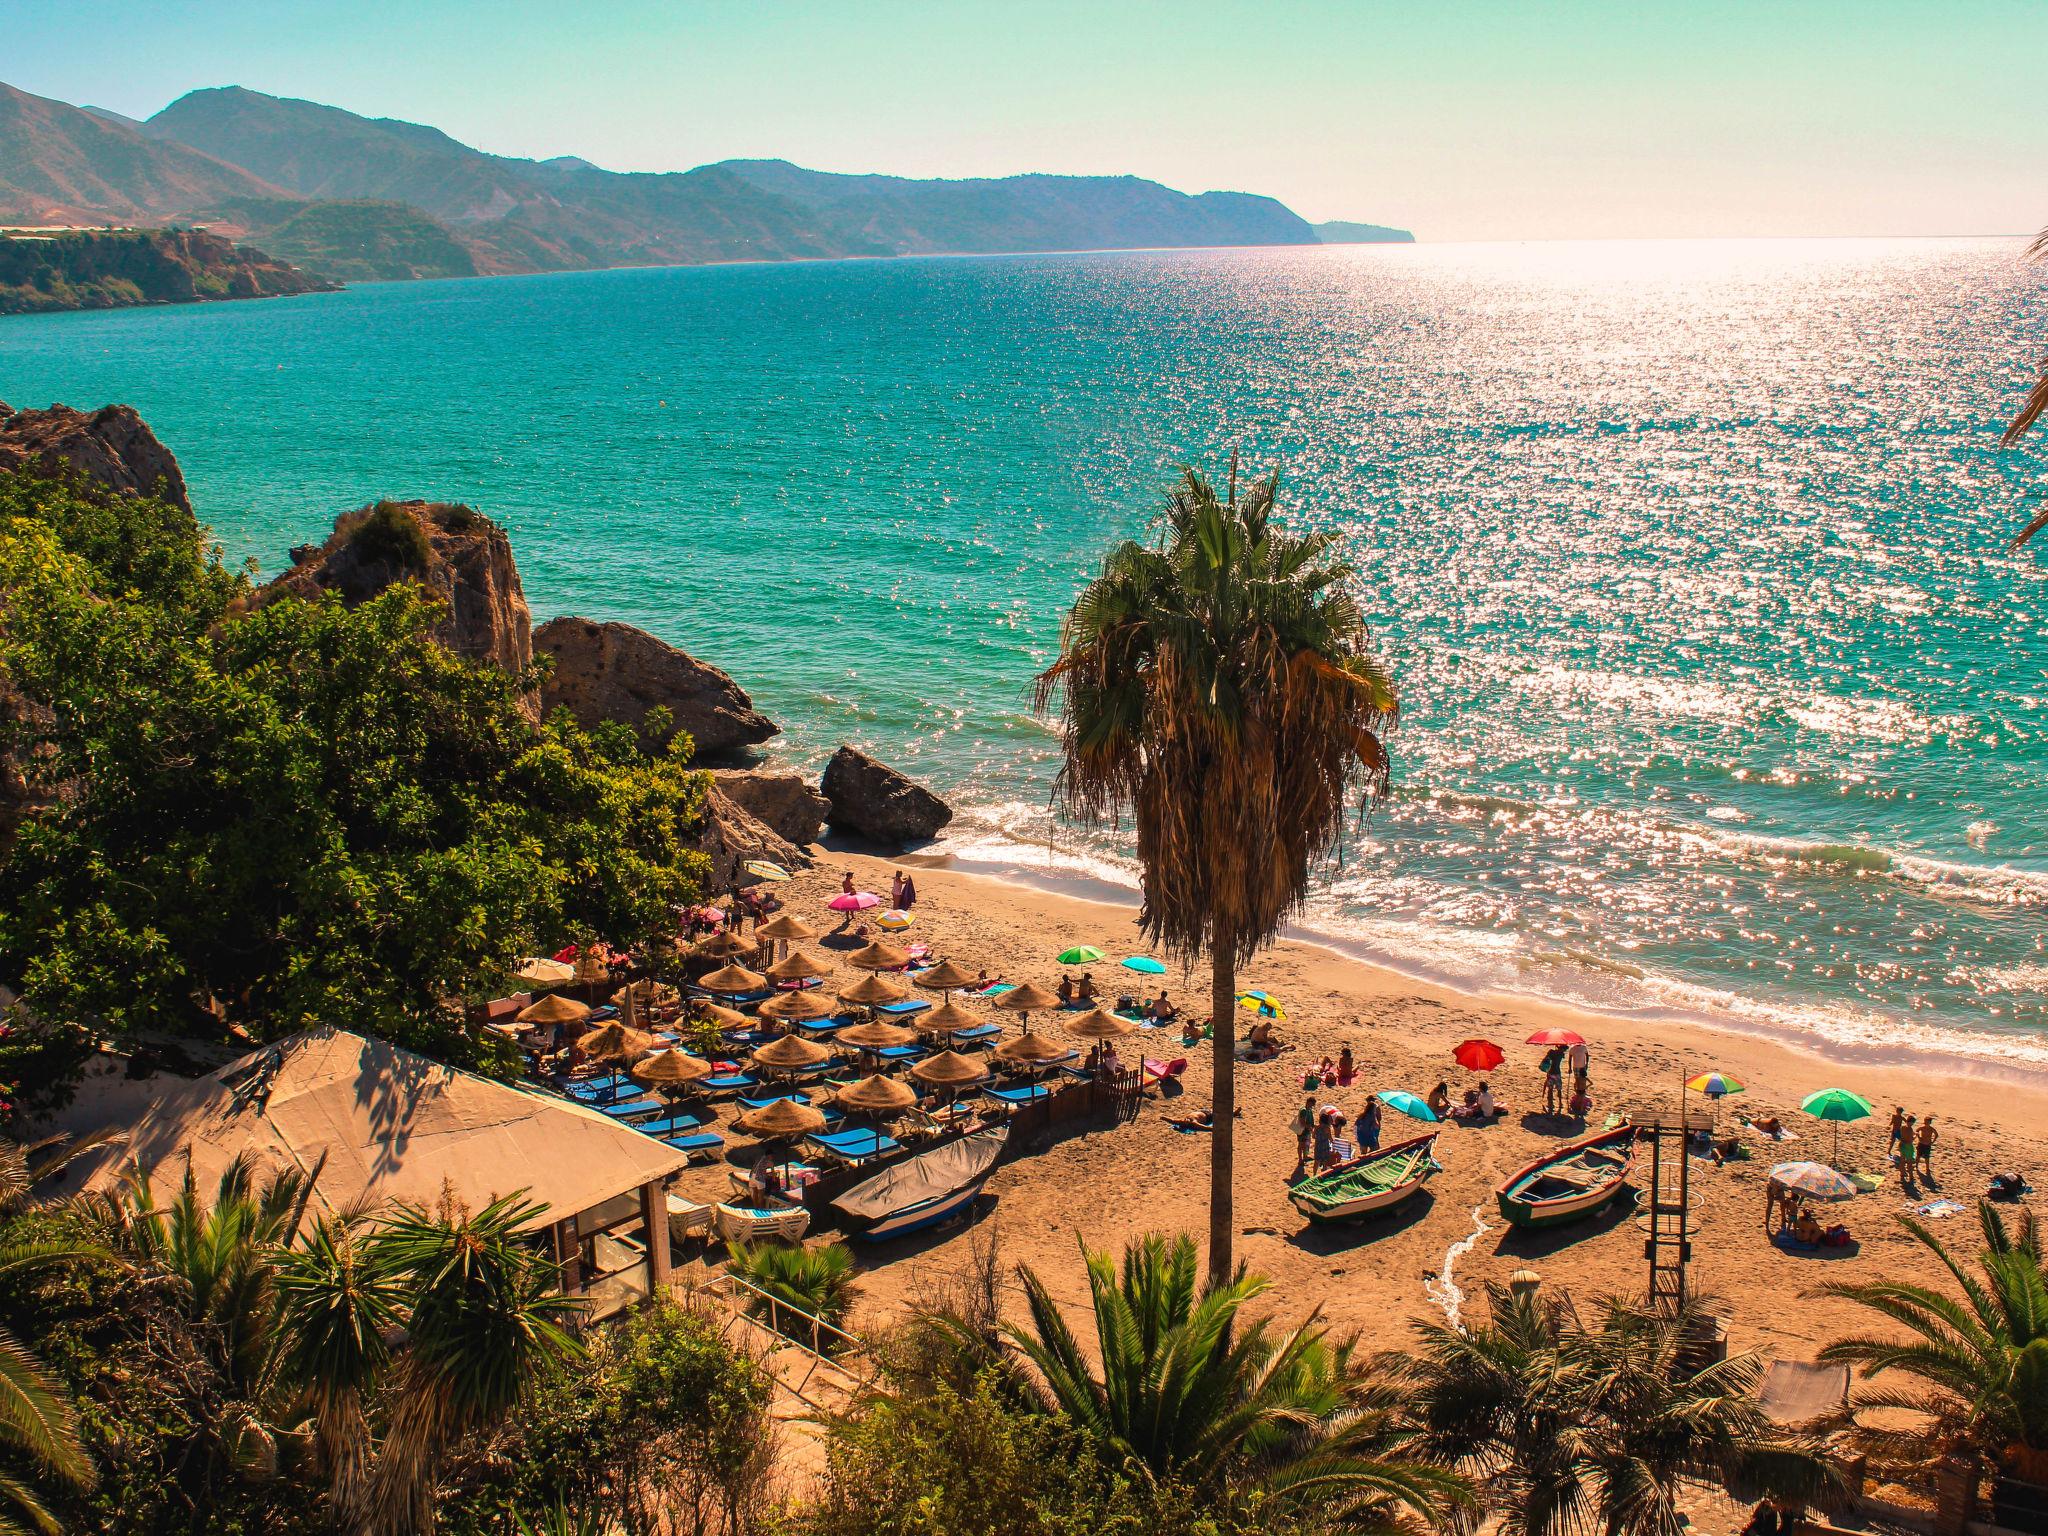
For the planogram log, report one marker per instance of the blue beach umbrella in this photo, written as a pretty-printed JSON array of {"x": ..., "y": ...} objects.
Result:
[
  {"x": 1408, "y": 1104},
  {"x": 1145, "y": 965}
]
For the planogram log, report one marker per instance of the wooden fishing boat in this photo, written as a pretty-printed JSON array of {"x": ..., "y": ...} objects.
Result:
[
  {"x": 1378, "y": 1181},
  {"x": 924, "y": 1190},
  {"x": 1571, "y": 1181}
]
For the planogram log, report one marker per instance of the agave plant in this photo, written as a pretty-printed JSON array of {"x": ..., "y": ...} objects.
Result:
[
  {"x": 1980, "y": 1358},
  {"x": 1218, "y": 686},
  {"x": 1573, "y": 1427},
  {"x": 1191, "y": 1392},
  {"x": 816, "y": 1282}
]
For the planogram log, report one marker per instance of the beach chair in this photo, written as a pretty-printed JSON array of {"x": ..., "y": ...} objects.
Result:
[
  {"x": 1022, "y": 1094},
  {"x": 1163, "y": 1072},
  {"x": 976, "y": 1034},
  {"x": 633, "y": 1109},
  {"x": 729, "y": 1082},
  {"x": 687, "y": 1219},
  {"x": 899, "y": 1053},
  {"x": 698, "y": 1144},
  {"x": 898, "y": 1012},
  {"x": 763, "y": 1100},
  {"x": 675, "y": 1123},
  {"x": 751, "y": 1223},
  {"x": 854, "y": 1146}
]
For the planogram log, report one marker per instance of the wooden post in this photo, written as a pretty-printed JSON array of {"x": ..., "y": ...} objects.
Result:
[
  {"x": 654, "y": 1221},
  {"x": 569, "y": 1254}
]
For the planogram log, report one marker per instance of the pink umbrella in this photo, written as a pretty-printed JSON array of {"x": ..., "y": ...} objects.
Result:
[{"x": 854, "y": 901}]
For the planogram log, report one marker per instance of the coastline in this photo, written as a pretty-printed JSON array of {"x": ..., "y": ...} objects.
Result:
[
  {"x": 1106, "y": 1185},
  {"x": 1803, "y": 1027}
]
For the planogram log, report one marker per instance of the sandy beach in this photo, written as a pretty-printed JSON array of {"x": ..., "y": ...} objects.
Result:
[{"x": 1108, "y": 1184}]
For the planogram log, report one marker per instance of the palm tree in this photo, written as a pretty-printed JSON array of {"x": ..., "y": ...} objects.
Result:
[
  {"x": 1981, "y": 1360},
  {"x": 1218, "y": 686},
  {"x": 2031, "y": 408},
  {"x": 815, "y": 1282},
  {"x": 1187, "y": 1392},
  {"x": 1575, "y": 1429},
  {"x": 484, "y": 1319}
]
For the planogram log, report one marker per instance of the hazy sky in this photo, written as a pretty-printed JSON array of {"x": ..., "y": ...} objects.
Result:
[{"x": 1463, "y": 119}]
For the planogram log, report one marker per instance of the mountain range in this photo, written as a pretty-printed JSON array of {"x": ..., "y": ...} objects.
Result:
[{"x": 367, "y": 198}]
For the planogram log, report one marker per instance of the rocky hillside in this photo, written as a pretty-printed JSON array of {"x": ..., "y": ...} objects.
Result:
[
  {"x": 1345, "y": 232},
  {"x": 112, "y": 269},
  {"x": 362, "y": 241}
]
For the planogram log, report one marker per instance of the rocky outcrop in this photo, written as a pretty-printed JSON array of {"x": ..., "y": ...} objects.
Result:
[
  {"x": 876, "y": 802},
  {"x": 112, "y": 446},
  {"x": 453, "y": 551},
  {"x": 730, "y": 836},
  {"x": 784, "y": 802},
  {"x": 610, "y": 671}
]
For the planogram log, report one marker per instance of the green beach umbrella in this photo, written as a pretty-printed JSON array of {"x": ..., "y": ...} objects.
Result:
[
  {"x": 1081, "y": 954},
  {"x": 1838, "y": 1105},
  {"x": 1145, "y": 965}
]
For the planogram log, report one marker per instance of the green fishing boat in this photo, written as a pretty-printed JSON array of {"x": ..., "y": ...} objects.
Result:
[{"x": 1378, "y": 1181}]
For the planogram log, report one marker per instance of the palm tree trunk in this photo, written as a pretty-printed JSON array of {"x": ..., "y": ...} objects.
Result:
[{"x": 1223, "y": 1101}]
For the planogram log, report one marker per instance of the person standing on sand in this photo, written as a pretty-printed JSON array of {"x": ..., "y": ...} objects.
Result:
[
  {"x": 907, "y": 897},
  {"x": 1552, "y": 1067},
  {"x": 846, "y": 883},
  {"x": 1304, "y": 1131},
  {"x": 1924, "y": 1148},
  {"x": 1902, "y": 1155},
  {"x": 1891, "y": 1144},
  {"x": 1369, "y": 1125}
]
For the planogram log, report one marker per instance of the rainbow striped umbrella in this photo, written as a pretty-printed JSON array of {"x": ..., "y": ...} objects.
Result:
[
  {"x": 895, "y": 920},
  {"x": 1714, "y": 1084}
]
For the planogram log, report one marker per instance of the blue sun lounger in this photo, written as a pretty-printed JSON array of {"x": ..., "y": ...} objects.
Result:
[
  {"x": 729, "y": 1082},
  {"x": 763, "y": 1100},
  {"x": 670, "y": 1125},
  {"x": 976, "y": 1033},
  {"x": 854, "y": 1146},
  {"x": 631, "y": 1109},
  {"x": 904, "y": 1009},
  {"x": 1029, "y": 1093},
  {"x": 696, "y": 1143}
]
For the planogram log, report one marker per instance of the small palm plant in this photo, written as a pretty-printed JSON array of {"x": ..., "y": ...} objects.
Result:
[
  {"x": 1219, "y": 687},
  {"x": 1572, "y": 1427},
  {"x": 815, "y": 1281},
  {"x": 1980, "y": 1359},
  {"x": 1189, "y": 1391}
]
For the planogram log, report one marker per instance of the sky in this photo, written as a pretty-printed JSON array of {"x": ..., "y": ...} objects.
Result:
[{"x": 1459, "y": 119}]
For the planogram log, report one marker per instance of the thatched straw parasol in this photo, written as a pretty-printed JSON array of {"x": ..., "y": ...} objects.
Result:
[
  {"x": 615, "y": 1042},
  {"x": 796, "y": 966},
  {"x": 946, "y": 1018},
  {"x": 589, "y": 967},
  {"x": 871, "y": 990},
  {"x": 876, "y": 1096},
  {"x": 724, "y": 1018},
  {"x": 944, "y": 977},
  {"x": 785, "y": 1117},
  {"x": 1028, "y": 998},
  {"x": 669, "y": 1069},
  {"x": 949, "y": 1069},
  {"x": 796, "y": 1008},
  {"x": 878, "y": 957},
  {"x": 786, "y": 926},
  {"x": 651, "y": 993},
  {"x": 733, "y": 979},
  {"x": 875, "y": 1037},
  {"x": 791, "y": 1053},
  {"x": 1033, "y": 1050},
  {"x": 1101, "y": 1025},
  {"x": 554, "y": 1009},
  {"x": 723, "y": 946}
]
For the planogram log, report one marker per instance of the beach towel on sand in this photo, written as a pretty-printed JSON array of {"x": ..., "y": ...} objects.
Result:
[{"x": 1934, "y": 1210}]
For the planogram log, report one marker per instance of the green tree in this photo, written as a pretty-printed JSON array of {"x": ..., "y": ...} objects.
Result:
[
  {"x": 1980, "y": 1358},
  {"x": 812, "y": 1281},
  {"x": 1217, "y": 686},
  {"x": 300, "y": 813},
  {"x": 1574, "y": 1429},
  {"x": 1198, "y": 1397}
]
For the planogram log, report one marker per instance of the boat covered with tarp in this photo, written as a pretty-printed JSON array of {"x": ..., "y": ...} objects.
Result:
[
  {"x": 924, "y": 1190},
  {"x": 1378, "y": 1181},
  {"x": 1571, "y": 1181}
]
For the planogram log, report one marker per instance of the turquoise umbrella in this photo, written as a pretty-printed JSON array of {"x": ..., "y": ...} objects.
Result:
[
  {"x": 1408, "y": 1104},
  {"x": 1145, "y": 965},
  {"x": 1838, "y": 1105}
]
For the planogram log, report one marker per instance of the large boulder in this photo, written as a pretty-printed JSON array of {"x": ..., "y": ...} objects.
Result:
[
  {"x": 452, "y": 550},
  {"x": 730, "y": 836},
  {"x": 876, "y": 802},
  {"x": 611, "y": 671},
  {"x": 783, "y": 801},
  {"x": 112, "y": 446}
]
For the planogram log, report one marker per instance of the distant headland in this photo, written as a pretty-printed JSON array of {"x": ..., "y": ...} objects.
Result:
[{"x": 368, "y": 199}]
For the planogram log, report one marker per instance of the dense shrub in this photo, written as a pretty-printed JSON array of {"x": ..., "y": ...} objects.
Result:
[{"x": 387, "y": 534}]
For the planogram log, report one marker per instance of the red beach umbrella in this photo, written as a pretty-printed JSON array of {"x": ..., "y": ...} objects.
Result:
[
  {"x": 1479, "y": 1055},
  {"x": 1556, "y": 1037}
]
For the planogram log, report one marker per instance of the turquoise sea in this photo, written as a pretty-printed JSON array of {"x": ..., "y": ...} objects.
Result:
[{"x": 1721, "y": 695}]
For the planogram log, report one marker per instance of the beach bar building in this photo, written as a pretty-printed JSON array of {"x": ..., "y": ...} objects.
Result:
[{"x": 385, "y": 1125}]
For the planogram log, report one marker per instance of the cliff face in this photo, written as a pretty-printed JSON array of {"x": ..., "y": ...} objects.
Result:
[
  {"x": 119, "y": 268},
  {"x": 610, "y": 671},
  {"x": 111, "y": 445},
  {"x": 450, "y": 549}
]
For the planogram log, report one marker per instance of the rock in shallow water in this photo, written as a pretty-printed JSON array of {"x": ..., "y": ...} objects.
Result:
[
  {"x": 612, "y": 671},
  {"x": 874, "y": 801}
]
